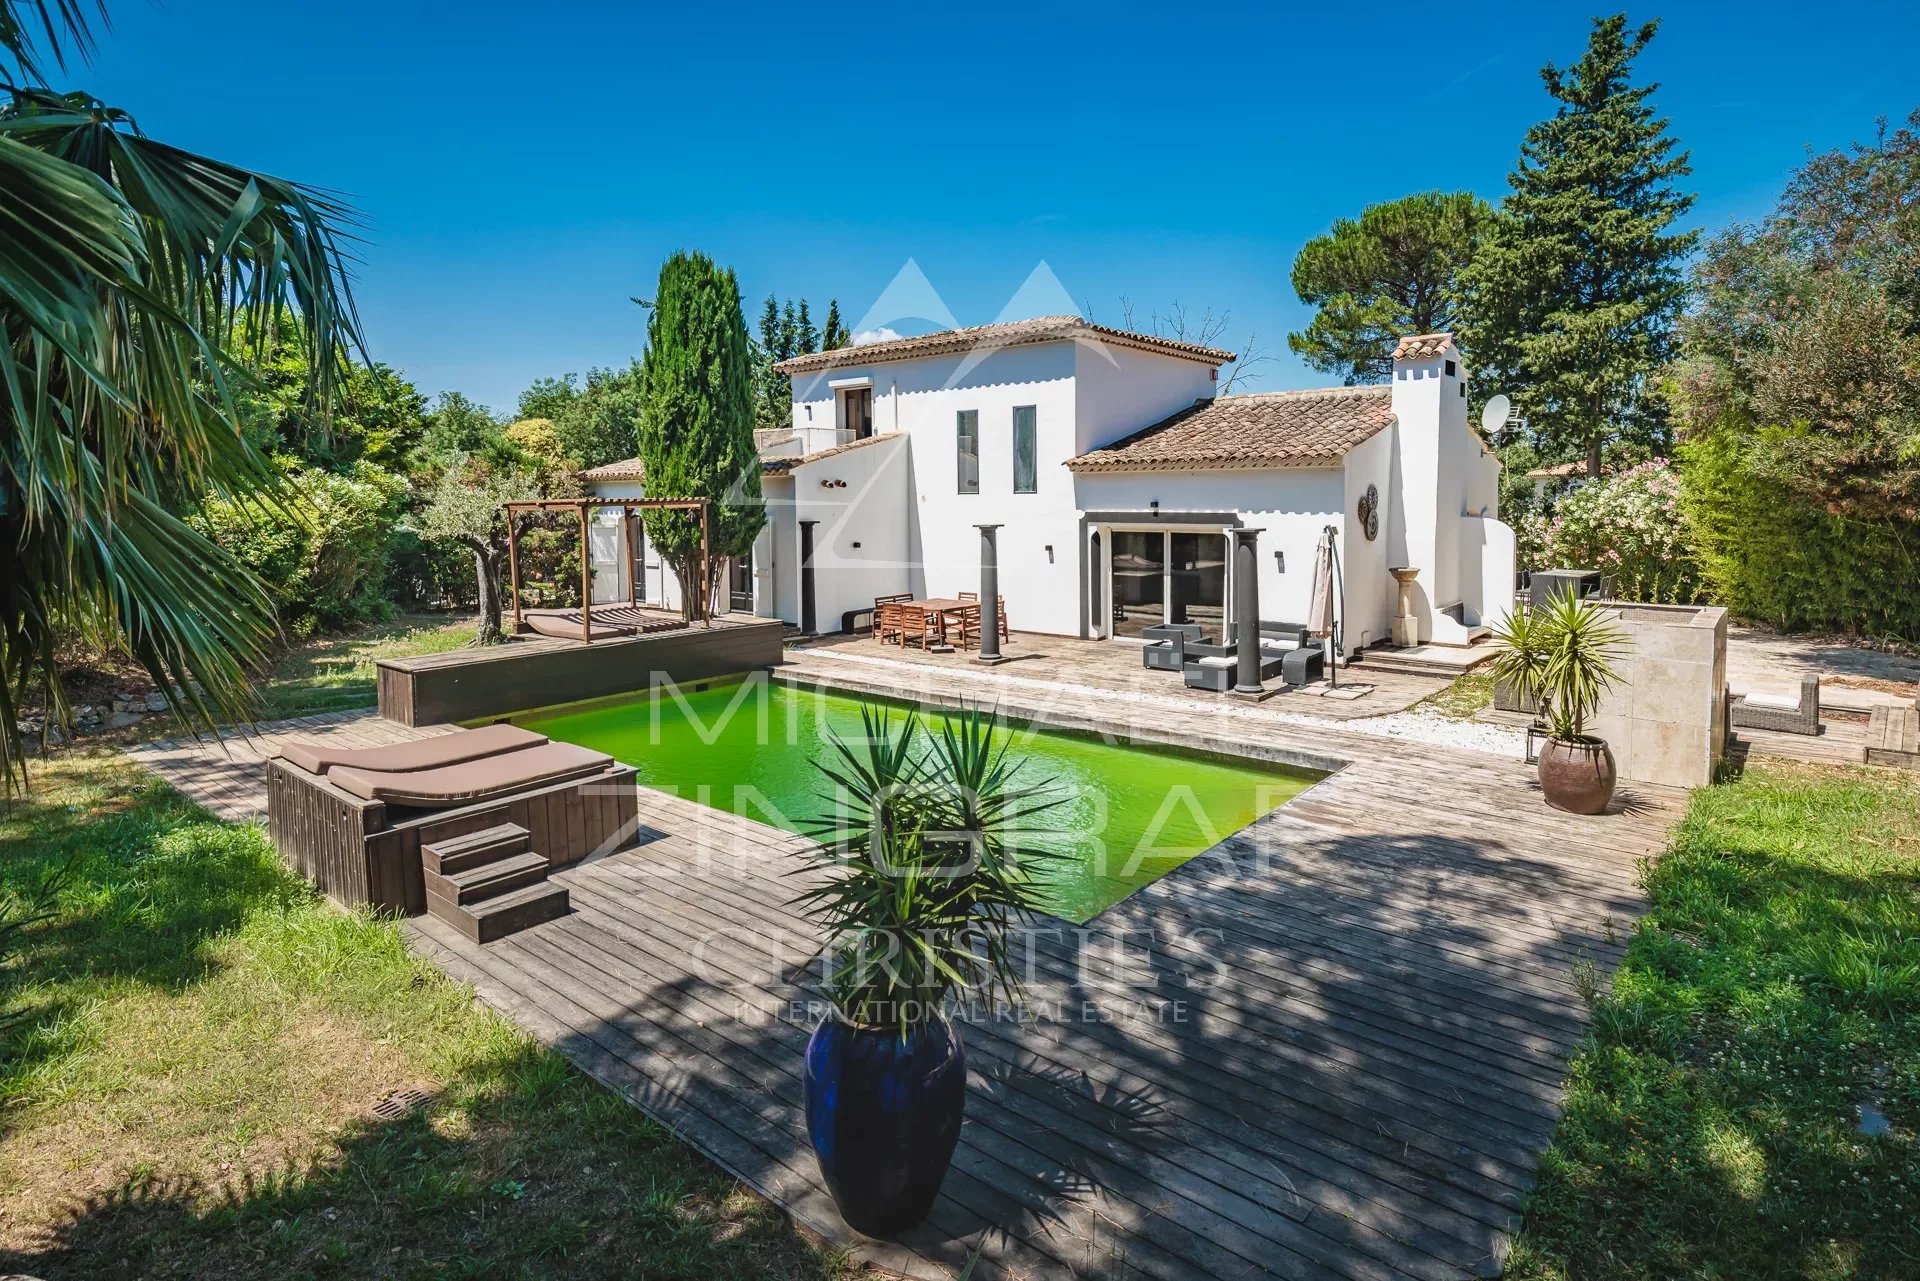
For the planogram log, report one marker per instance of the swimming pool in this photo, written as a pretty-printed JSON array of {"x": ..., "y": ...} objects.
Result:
[{"x": 749, "y": 747}]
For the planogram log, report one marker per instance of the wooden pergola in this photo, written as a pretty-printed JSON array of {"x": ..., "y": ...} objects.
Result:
[{"x": 627, "y": 506}]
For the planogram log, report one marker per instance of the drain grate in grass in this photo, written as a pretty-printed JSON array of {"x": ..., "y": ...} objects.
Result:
[{"x": 399, "y": 1104}]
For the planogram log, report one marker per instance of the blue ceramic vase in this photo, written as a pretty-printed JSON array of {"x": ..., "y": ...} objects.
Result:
[{"x": 884, "y": 1114}]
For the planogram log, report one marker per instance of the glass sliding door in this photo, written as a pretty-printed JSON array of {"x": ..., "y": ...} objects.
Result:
[
  {"x": 1139, "y": 580},
  {"x": 1197, "y": 581}
]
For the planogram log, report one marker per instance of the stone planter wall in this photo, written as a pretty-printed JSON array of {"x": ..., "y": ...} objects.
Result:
[{"x": 1666, "y": 717}]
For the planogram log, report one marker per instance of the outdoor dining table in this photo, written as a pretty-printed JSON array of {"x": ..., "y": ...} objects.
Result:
[{"x": 940, "y": 606}]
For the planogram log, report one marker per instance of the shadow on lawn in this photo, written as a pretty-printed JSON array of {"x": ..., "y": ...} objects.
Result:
[{"x": 531, "y": 1172}]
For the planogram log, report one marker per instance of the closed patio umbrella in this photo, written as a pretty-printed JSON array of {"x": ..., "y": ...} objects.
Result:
[{"x": 1320, "y": 619}]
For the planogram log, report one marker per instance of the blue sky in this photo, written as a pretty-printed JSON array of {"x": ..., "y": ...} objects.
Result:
[{"x": 524, "y": 168}]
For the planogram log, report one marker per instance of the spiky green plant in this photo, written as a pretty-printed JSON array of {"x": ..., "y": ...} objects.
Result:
[
  {"x": 1580, "y": 645},
  {"x": 931, "y": 859},
  {"x": 1520, "y": 654}
]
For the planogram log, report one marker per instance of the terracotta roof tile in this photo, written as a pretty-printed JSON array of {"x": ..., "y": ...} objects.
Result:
[
  {"x": 625, "y": 469},
  {"x": 1423, "y": 347},
  {"x": 1263, "y": 429},
  {"x": 991, "y": 337},
  {"x": 779, "y": 466}
]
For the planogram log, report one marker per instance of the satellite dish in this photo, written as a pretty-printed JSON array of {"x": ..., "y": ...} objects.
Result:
[{"x": 1495, "y": 414}]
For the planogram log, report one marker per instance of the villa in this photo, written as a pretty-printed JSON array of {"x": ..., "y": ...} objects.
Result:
[{"x": 1115, "y": 476}]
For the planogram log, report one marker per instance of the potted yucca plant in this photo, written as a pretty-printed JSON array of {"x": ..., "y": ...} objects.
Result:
[
  {"x": 1558, "y": 658},
  {"x": 928, "y": 866}
]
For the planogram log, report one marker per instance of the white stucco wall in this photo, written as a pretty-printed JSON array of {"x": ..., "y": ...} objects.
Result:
[
  {"x": 1369, "y": 595},
  {"x": 662, "y": 584},
  {"x": 860, "y": 544},
  {"x": 1290, "y": 508},
  {"x": 1119, "y": 390},
  {"x": 922, "y": 400}
]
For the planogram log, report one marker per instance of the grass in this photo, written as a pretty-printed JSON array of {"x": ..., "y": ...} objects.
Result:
[
  {"x": 1470, "y": 693},
  {"x": 1712, "y": 1124},
  {"x": 191, "y": 1090},
  {"x": 337, "y": 672}
]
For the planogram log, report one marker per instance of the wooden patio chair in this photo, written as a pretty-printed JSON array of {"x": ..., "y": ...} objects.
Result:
[
  {"x": 888, "y": 623},
  {"x": 880, "y": 603},
  {"x": 917, "y": 626}
]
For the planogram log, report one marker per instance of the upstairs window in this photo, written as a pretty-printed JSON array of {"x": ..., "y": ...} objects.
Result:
[
  {"x": 856, "y": 413},
  {"x": 966, "y": 437},
  {"x": 1026, "y": 469}
]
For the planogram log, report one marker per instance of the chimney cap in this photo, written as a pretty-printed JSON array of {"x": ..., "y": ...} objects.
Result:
[{"x": 1424, "y": 347}]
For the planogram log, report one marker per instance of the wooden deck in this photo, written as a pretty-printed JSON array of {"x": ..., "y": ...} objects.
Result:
[{"x": 1331, "y": 1046}]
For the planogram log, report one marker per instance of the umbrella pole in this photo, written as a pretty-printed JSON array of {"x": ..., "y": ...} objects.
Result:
[{"x": 1339, "y": 607}]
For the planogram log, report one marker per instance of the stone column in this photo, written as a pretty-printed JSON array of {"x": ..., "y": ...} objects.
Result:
[
  {"x": 1406, "y": 624},
  {"x": 1246, "y": 609},
  {"x": 989, "y": 595},
  {"x": 806, "y": 577}
]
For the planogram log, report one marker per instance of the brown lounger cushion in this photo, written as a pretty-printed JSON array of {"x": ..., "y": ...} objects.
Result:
[
  {"x": 423, "y": 753},
  {"x": 567, "y": 627},
  {"x": 480, "y": 780}
]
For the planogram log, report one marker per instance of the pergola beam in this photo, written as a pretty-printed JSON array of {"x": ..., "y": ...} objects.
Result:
[{"x": 627, "y": 507}]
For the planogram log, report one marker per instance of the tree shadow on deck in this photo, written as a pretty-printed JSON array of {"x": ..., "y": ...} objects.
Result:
[{"x": 1302, "y": 1050}]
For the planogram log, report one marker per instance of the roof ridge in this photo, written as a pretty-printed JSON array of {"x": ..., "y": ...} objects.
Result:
[{"x": 1304, "y": 392}]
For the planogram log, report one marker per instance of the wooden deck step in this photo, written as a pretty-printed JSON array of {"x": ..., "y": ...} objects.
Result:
[
  {"x": 1893, "y": 737},
  {"x": 458, "y": 853},
  {"x": 488, "y": 880},
  {"x": 504, "y": 914}
]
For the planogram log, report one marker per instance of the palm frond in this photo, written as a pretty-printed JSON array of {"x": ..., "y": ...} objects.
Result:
[{"x": 128, "y": 271}]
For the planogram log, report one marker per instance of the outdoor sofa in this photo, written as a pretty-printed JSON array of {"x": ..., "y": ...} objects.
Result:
[
  {"x": 1778, "y": 711},
  {"x": 1287, "y": 652},
  {"x": 354, "y": 820}
]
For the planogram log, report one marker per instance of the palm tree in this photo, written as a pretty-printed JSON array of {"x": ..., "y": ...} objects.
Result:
[{"x": 136, "y": 279}]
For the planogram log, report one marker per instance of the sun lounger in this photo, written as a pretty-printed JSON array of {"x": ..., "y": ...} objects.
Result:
[
  {"x": 421, "y": 754},
  {"x": 472, "y": 781}
]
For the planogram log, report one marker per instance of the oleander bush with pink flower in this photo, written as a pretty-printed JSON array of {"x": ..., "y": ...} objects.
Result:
[{"x": 1630, "y": 526}]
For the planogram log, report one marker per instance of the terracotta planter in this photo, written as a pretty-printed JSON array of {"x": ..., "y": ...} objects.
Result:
[{"x": 1579, "y": 776}]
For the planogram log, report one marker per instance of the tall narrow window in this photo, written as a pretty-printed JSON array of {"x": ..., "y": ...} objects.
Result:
[
  {"x": 966, "y": 437},
  {"x": 1026, "y": 469}
]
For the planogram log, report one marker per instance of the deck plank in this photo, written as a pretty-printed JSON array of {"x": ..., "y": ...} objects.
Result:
[{"x": 1331, "y": 1046}]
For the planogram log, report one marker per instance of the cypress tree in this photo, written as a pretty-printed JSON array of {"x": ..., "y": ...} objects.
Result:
[
  {"x": 805, "y": 337},
  {"x": 834, "y": 334},
  {"x": 696, "y": 424},
  {"x": 1571, "y": 301}
]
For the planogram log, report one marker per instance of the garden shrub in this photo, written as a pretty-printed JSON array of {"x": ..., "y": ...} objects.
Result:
[
  {"x": 320, "y": 547},
  {"x": 1630, "y": 526},
  {"x": 1769, "y": 555}
]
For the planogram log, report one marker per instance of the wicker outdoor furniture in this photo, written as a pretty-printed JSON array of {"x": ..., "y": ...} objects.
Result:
[
  {"x": 1779, "y": 712},
  {"x": 1165, "y": 645}
]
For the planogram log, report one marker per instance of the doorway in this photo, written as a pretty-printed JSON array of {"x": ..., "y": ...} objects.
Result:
[
  {"x": 1167, "y": 576},
  {"x": 740, "y": 584}
]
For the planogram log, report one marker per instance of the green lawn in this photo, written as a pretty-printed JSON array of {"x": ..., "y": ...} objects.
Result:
[
  {"x": 336, "y": 672},
  {"x": 1470, "y": 693},
  {"x": 191, "y": 1092},
  {"x": 1712, "y": 1122}
]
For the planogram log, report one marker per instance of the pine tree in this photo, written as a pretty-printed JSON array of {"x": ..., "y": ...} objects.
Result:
[
  {"x": 834, "y": 334},
  {"x": 806, "y": 338},
  {"x": 789, "y": 334},
  {"x": 696, "y": 432},
  {"x": 773, "y": 392},
  {"x": 1570, "y": 304},
  {"x": 1375, "y": 279}
]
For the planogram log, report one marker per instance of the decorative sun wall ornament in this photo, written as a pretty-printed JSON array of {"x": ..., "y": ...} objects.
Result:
[{"x": 1369, "y": 512}]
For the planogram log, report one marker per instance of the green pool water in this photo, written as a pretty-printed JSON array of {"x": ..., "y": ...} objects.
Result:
[{"x": 749, "y": 748}]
